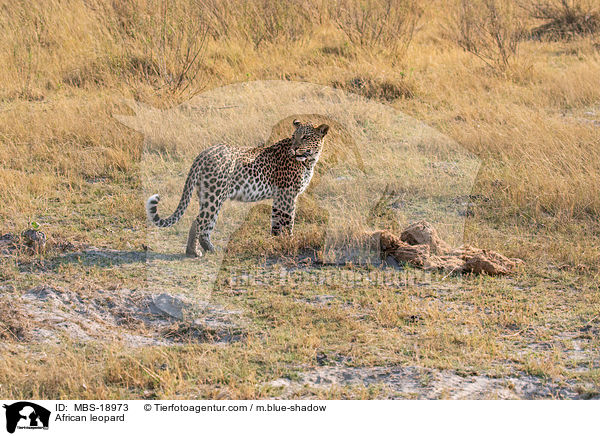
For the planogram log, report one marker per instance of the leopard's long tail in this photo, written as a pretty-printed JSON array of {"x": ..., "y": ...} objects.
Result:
[{"x": 188, "y": 190}]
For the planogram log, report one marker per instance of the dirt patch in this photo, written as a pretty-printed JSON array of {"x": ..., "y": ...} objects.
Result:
[
  {"x": 422, "y": 383},
  {"x": 47, "y": 314},
  {"x": 14, "y": 323},
  {"x": 31, "y": 241}
]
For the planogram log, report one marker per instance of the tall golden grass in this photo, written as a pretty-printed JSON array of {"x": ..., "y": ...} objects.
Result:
[{"x": 66, "y": 65}]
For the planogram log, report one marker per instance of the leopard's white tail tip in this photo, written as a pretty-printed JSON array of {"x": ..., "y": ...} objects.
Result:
[{"x": 151, "y": 204}]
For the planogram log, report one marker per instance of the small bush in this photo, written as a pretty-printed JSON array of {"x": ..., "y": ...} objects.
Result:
[
  {"x": 258, "y": 21},
  {"x": 386, "y": 90},
  {"x": 387, "y": 23},
  {"x": 565, "y": 19},
  {"x": 166, "y": 42},
  {"x": 86, "y": 74},
  {"x": 489, "y": 29}
]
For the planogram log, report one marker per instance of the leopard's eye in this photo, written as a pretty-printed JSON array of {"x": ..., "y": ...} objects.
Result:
[{"x": 303, "y": 137}]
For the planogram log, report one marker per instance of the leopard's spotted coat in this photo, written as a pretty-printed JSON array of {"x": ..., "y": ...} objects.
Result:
[{"x": 281, "y": 171}]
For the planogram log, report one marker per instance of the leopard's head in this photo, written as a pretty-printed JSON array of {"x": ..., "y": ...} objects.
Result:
[{"x": 307, "y": 141}]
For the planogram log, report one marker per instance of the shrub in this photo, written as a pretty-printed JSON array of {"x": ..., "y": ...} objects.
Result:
[
  {"x": 165, "y": 42},
  {"x": 387, "y": 23},
  {"x": 258, "y": 21},
  {"x": 489, "y": 29},
  {"x": 387, "y": 90},
  {"x": 565, "y": 19}
]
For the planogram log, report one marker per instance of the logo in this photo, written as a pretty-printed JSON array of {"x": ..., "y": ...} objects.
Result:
[{"x": 26, "y": 415}]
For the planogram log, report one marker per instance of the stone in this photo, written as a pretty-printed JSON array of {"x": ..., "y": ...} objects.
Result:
[{"x": 165, "y": 304}]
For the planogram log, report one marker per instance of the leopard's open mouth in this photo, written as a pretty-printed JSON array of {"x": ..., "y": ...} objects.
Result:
[{"x": 302, "y": 157}]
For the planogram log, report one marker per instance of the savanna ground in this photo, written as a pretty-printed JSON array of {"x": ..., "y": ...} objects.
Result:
[{"x": 515, "y": 85}]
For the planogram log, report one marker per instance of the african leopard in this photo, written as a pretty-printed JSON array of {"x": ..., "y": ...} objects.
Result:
[{"x": 281, "y": 171}]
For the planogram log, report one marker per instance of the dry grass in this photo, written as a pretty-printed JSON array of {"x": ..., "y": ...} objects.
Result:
[
  {"x": 489, "y": 29},
  {"x": 565, "y": 19},
  {"x": 529, "y": 110},
  {"x": 528, "y": 122}
]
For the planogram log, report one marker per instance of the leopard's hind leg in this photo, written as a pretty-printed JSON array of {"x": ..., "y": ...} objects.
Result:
[
  {"x": 211, "y": 195},
  {"x": 192, "y": 243}
]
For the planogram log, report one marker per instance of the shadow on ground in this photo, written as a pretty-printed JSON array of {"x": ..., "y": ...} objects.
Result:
[{"x": 98, "y": 257}]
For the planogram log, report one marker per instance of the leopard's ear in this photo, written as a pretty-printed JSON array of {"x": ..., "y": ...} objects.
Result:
[
  {"x": 323, "y": 129},
  {"x": 296, "y": 123}
]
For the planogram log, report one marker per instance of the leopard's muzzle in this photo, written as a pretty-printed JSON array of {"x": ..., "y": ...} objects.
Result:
[{"x": 301, "y": 155}]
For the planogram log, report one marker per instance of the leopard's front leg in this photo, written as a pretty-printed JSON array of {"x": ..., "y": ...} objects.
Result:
[{"x": 284, "y": 211}]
